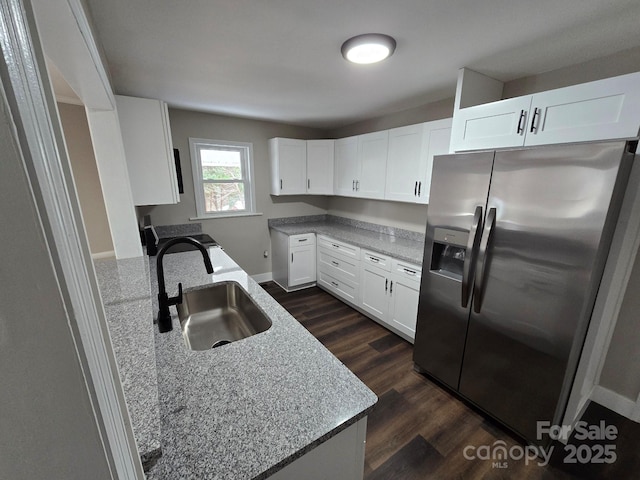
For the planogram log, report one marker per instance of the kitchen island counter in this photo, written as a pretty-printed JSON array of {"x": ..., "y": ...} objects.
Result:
[{"x": 248, "y": 408}]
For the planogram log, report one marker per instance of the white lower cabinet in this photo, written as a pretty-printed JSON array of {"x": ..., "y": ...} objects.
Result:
[
  {"x": 339, "y": 458},
  {"x": 390, "y": 290},
  {"x": 404, "y": 296},
  {"x": 338, "y": 266},
  {"x": 381, "y": 287},
  {"x": 293, "y": 260}
]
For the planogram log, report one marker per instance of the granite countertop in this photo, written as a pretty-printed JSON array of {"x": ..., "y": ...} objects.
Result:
[
  {"x": 398, "y": 243},
  {"x": 126, "y": 296},
  {"x": 248, "y": 408}
]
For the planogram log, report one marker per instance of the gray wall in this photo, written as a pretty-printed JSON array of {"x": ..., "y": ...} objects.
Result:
[
  {"x": 244, "y": 238},
  {"x": 48, "y": 428},
  {"x": 85, "y": 174},
  {"x": 621, "y": 371}
]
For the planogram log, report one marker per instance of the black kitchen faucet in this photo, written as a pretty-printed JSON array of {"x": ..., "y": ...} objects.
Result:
[{"x": 164, "y": 301}]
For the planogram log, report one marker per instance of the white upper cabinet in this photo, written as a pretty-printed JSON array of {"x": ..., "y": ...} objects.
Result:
[
  {"x": 146, "y": 136},
  {"x": 301, "y": 166},
  {"x": 360, "y": 163},
  {"x": 346, "y": 166},
  {"x": 403, "y": 163},
  {"x": 372, "y": 159},
  {"x": 320, "y": 158},
  {"x": 288, "y": 158},
  {"x": 601, "y": 110},
  {"x": 410, "y": 159},
  {"x": 606, "y": 109},
  {"x": 493, "y": 125}
]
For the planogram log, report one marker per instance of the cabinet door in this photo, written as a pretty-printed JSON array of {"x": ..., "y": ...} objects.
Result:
[
  {"x": 374, "y": 288},
  {"x": 601, "y": 110},
  {"x": 403, "y": 309},
  {"x": 372, "y": 157},
  {"x": 302, "y": 265},
  {"x": 436, "y": 140},
  {"x": 403, "y": 163},
  {"x": 346, "y": 166},
  {"x": 320, "y": 167},
  {"x": 492, "y": 125},
  {"x": 288, "y": 166},
  {"x": 146, "y": 136}
]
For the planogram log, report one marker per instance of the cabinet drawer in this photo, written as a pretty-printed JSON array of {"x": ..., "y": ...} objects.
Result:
[
  {"x": 303, "y": 239},
  {"x": 407, "y": 270},
  {"x": 340, "y": 288},
  {"x": 373, "y": 258},
  {"x": 336, "y": 265},
  {"x": 339, "y": 247}
]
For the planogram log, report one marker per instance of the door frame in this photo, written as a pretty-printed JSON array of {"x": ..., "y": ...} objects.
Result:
[{"x": 27, "y": 88}]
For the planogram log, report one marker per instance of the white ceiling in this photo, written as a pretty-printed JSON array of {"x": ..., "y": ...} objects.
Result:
[{"x": 280, "y": 59}]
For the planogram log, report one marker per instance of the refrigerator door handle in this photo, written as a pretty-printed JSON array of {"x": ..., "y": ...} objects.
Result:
[
  {"x": 482, "y": 258},
  {"x": 470, "y": 257}
]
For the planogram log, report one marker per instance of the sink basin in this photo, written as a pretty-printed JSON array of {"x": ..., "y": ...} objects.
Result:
[{"x": 219, "y": 314}]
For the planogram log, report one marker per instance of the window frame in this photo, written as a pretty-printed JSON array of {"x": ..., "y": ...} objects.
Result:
[{"x": 246, "y": 158}]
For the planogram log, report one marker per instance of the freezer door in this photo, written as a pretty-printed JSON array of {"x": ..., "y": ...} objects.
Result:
[
  {"x": 546, "y": 237},
  {"x": 459, "y": 189}
]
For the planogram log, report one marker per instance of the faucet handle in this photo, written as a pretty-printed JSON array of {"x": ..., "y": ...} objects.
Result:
[{"x": 177, "y": 299}]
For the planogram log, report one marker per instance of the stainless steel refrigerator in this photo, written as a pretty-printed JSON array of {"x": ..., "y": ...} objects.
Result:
[{"x": 516, "y": 243}]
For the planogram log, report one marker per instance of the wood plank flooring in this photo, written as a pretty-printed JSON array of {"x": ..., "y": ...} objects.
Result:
[{"x": 417, "y": 430}]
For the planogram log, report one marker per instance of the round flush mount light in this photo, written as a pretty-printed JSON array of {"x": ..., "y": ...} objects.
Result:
[{"x": 368, "y": 48}]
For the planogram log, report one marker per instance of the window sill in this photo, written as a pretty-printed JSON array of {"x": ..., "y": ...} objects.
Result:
[{"x": 229, "y": 215}]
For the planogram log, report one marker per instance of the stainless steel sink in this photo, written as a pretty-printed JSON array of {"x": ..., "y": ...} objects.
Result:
[{"x": 219, "y": 314}]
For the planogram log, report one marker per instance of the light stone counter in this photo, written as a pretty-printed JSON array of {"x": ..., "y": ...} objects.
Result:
[
  {"x": 126, "y": 296},
  {"x": 246, "y": 409},
  {"x": 398, "y": 243}
]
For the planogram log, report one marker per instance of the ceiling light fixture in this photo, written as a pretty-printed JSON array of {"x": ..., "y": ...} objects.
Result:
[{"x": 368, "y": 48}]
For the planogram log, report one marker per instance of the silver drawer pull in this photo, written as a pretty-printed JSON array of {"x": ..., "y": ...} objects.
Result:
[
  {"x": 409, "y": 272},
  {"x": 335, "y": 263},
  {"x": 374, "y": 259},
  {"x": 335, "y": 246},
  {"x": 335, "y": 284},
  {"x": 303, "y": 239}
]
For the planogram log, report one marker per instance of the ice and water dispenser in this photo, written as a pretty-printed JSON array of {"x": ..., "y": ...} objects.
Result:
[{"x": 448, "y": 253}]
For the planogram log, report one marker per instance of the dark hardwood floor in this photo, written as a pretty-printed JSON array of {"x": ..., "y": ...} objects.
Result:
[{"x": 419, "y": 430}]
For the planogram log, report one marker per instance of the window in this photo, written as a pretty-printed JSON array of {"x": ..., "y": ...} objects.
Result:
[{"x": 222, "y": 177}]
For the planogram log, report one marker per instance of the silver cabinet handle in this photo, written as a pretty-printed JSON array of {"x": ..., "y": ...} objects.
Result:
[
  {"x": 386, "y": 284},
  {"x": 357, "y": 185},
  {"x": 478, "y": 287},
  {"x": 419, "y": 188},
  {"x": 391, "y": 288},
  {"x": 470, "y": 258},
  {"x": 409, "y": 272},
  {"x": 291, "y": 257},
  {"x": 308, "y": 183},
  {"x": 353, "y": 185},
  {"x": 335, "y": 263},
  {"x": 415, "y": 189},
  {"x": 302, "y": 239},
  {"x": 374, "y": 259},
  {"x": 335, "y": 284},
  {"x": 280, "y": 184},
  {"x": 335, "y": 246}
]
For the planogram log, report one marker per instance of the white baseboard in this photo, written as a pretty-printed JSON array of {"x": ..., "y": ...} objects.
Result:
[
  {"x": 614, "y": 401},
  {"x": 263, "y": 277},
  {"x": 98, "y": 255}
]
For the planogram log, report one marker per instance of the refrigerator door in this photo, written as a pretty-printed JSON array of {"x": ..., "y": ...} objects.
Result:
[
  {"x": 459, "y": 189},
  {"x": 546, "y": 237}
]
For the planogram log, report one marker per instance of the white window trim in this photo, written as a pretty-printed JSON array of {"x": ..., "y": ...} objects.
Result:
[{"x": 198, "y": 184}]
